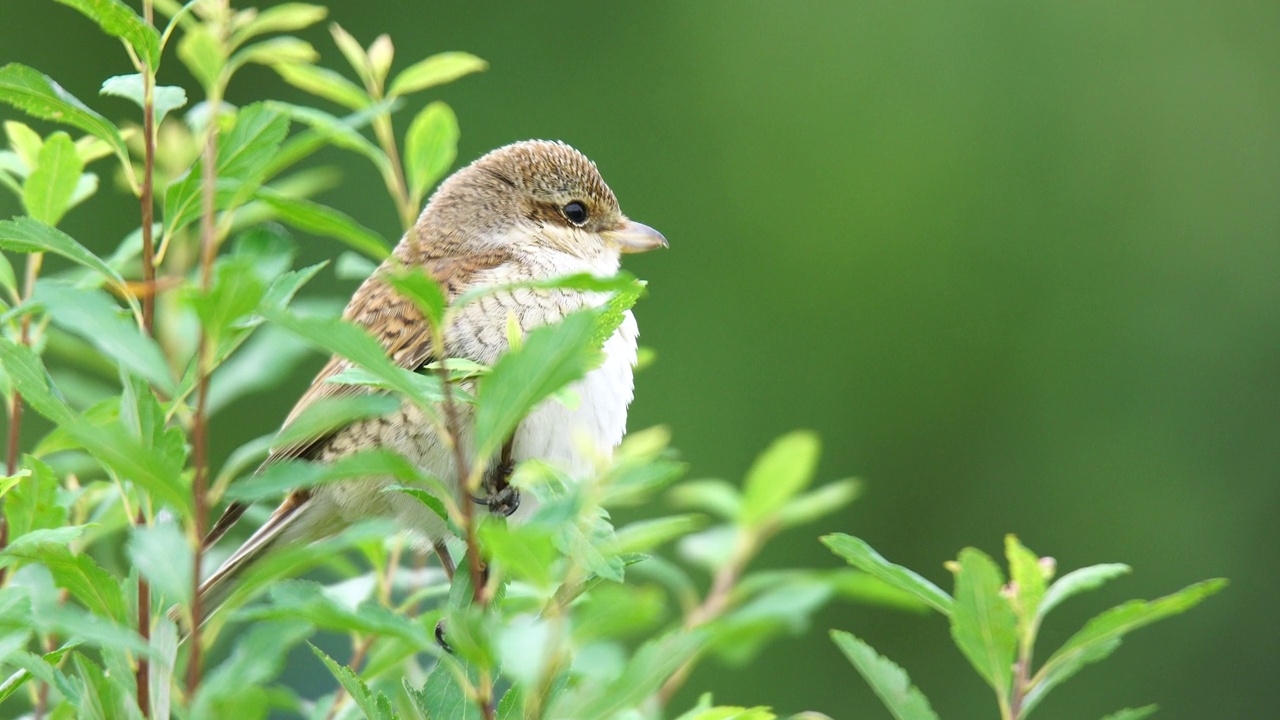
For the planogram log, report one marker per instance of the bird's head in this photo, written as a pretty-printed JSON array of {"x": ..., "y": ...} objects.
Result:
[{"x": 530, "y": 196}]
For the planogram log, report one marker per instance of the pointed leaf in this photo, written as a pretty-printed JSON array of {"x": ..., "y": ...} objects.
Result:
[
  {"x": 26, "y": 374},
  {"x": 651, "y": 665},
  {"x": 39, "y": 96},
  {"x": 119, "y": 20},
  {"x": 888, "y": 680},
  {"x": 430, "y": 147},
  {"x": 32, "y": 503},
  {"x": 93, "y": 315},
  {"x": 285, "y": 17},
  {"x": 1078, "y": 581},
  {"x": 1132, "y": 713},
  {"x": 983, "y": 624},
  {"x": 374, "y": 707},
  {"x": 442, "y": 696},
  {"x": 48, "y": 190},
  {"x": 781, "y": 471},
  {"x": 324, "y": 83},
  {"x": 30, "y": 235},
  {"x": 1102, "y": 635},
  {"x": 1028, "y": 586},
  {"x": 435, "y": 70},
  {"x": 550, "y": 358},
  {"x": 164, "y": 98},
  {"x": 860, "y": 555},
  {"x": 325, "y": 221},
  {"x": 814, "y": 504},
  {"x": 163, "y": 555}
]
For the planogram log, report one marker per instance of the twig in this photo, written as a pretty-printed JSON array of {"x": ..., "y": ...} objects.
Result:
[
  {"x": 142, "y": 681},
  {"x": 200, "y": 427},
  {"x": 484, "y": 693},
  {"x": 715, "y": 603}
]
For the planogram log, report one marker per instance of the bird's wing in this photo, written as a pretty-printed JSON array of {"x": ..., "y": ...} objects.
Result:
[{"x": 399, "y": 326}]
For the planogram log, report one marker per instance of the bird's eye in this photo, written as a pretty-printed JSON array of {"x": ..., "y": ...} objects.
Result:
[{"x": 575, "y": 212}]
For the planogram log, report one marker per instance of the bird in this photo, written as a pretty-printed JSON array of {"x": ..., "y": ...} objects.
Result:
[{"x": 528, "y": 211}]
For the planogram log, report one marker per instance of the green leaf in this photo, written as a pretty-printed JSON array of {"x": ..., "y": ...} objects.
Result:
[
  {"x": 233, "y": 297},
  {"x": 423, "y": 290},
  {"x": 374, "y": 707},
  {"x": 983, "y": 624},
  {"x": 119, "y": 20},
  {"x": 435, "y": 70},
  {"x": 431, "y": 146},
  {"x": 203, "y": 54},
  {"x": 353, "y": 52},
  {"x": 1078, "y": 581},
  {"x": 305, "y": 600},
  {"x": 1028, "y": 587},
  {"x": 442, "y": 696},
  {"x": 27, "y": 375},
  {"x": 165, "y": 98},
  {"x": 164, "y": 644},
  {"x": 888, "y": 680},
  {"x": 281, "y": 477},
  {"x": 324, "y": 83},
  {"x": 7, "y": 279},
  {"x": 860, "y": 555},
  {"x": 325, "y": 221},
  {"x": 252, "y": 141},
  {"x": 105, "y": 697},
  {"x": 338, "y": 131},
  {"x": 651, "y": 665},
  {"x": 93, "y": 315},
  {"x": 432, "y": 502},
  {"x": 32, "y": 503},
  {"x": 1133, "y": 713},
  {"x": 550, "y": 358},
  {"x": 328, "y": 414},
  {"x": 645, "y": 535},
  {"x": 78, "y": 574},
  {"x": 285, "y": 17},
  {"x": 781, "y": 471},
  {"x": 338, "y": 337},
  {"x": 163, "y": 555},
  {"x": 39, "y": 96},
  {"x": 524, "y": 553},
  {"x": 818, "y": 503},
  {"x": 48, "y": 189},
  {"x": 233, "y": 688},
  {"x": 276, "y": 51},
  {"x": 1102, "y": 635},
  {"x": 715, "y": 496},
  {"x": 30, "y": 235},
  {"x": 26, "y": 143}
]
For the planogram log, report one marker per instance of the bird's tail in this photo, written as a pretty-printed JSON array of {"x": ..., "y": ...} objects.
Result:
[{"x": 281, "y": 528}]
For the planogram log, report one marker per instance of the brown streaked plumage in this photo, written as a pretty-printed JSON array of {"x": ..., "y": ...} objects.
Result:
[{"x": 531, "y": 210}]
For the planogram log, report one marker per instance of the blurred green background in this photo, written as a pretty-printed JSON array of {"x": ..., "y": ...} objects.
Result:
[{"x": 1018, "y": 263}]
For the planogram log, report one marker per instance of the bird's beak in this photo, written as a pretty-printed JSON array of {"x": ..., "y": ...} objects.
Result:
[{"x": 634, "y": 237}]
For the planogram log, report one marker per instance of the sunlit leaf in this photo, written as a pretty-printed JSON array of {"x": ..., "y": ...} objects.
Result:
[
  {"x": 888, "y": 680},
  {"x": 1102, "y": 635},
  {"x": 435, "y": 70},
  {"x": 119, "y": 20},
  {"x": 32, "y": 501},
  {"x": 165, "y": 98},
  {"x": 1078, "y": 581},
  {"x": 431, "y": 146},
  {"x": 285, "y": 17},
  {"x": 203, "y": 54},
  {"x": 1027, "y": 586},
  {"x": 39, "y": 96},
  {"x": 49, "y": 188},
  {"x": 374, "y": 707},
  {"x": 1133, "y": 713},
  {"x": 163, "y": 556},
  {"x": 815, "y": 504},
  {"x": 94, "y": 316},
  {"x": 324, "y": 83},
  {"x": 325, "y": 221},
  {"x": 785, "y": 468},
  {"x": 551, "y": 357},
  {"x": 983, "y": 624},
  {"x": 860, "y": 555},
  {"x": 30, "y": 235},
  {"x": 275, "y": 51},
  {"x": 648, "y": 669}
]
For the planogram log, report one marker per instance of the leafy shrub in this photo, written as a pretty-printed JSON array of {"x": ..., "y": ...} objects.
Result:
[{"x": 130, "y": 355}]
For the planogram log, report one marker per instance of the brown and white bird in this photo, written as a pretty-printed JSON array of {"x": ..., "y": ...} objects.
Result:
[{"x": 532, "y": 210}]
